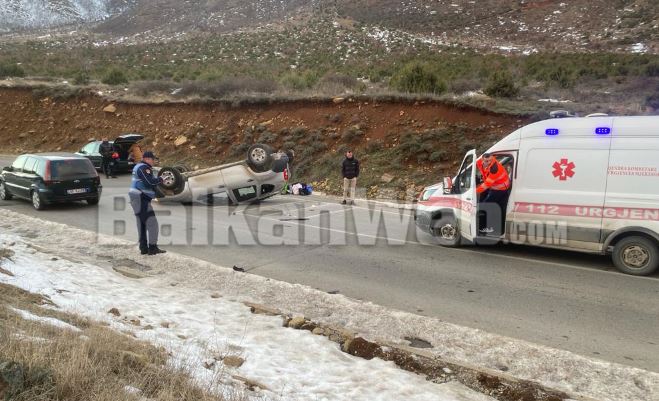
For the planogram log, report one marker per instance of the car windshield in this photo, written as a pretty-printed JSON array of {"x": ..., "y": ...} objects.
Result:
[{"x": 71, "y": 169}]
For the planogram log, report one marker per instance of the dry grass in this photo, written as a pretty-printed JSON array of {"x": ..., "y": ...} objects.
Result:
[{"x": 95, "y": 364}]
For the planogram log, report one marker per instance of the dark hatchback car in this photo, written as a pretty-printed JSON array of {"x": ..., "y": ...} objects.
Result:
[
  {"x": 46, "y": 178},
  {"x": 120, "y": 145}
]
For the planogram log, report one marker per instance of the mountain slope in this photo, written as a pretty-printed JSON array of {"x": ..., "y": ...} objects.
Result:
[
  {"x": 37, "y": 14},
  {"x": 504, "y": 25}
]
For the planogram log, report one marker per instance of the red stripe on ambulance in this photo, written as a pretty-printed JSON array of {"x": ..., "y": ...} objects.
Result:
[{"x": 622, "y": 213}]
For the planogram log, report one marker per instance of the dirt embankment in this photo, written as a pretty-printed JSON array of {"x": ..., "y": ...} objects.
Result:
[{"x": 400, "y": 138}]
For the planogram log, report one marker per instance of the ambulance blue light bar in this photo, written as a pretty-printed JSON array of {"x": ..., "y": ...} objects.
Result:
[
  {"x": 603, "y": 130},
  {"x": 551, "y": 131}
]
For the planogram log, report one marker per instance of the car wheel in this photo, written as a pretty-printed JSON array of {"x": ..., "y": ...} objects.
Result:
[
  {"x": 636, "y": 255},
  {"x": 93, "y": 201},
  {"x": 4, "y": 192},
  {"x": 259, "y": 157},
  {"x": 447, "y": 231},
  {"x": 171, "y": 179},
  {"x": 37, "y": 202}
]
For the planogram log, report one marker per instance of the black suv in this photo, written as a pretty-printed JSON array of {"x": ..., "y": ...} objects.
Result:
[
  {"x": 51, "y": 178},
  {"x": 121, "y": 145}
]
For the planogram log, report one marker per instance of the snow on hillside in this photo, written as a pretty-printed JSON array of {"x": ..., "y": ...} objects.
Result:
[{"x": 30, "y": 14}]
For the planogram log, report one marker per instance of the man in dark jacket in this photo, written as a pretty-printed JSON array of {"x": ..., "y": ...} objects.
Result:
[
  {"x": 107, "y": 164},
  {"x": 142, "y": 192},
  {"x": 350, "y": 171}
]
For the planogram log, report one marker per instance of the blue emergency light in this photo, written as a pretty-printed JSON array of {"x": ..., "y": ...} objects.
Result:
[
  {"x": 551, "y": 131},
  {"x": 603, "y": 130}
]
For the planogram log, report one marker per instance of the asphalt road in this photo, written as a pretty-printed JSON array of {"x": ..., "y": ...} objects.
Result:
[{"x": 566, "y": 300}]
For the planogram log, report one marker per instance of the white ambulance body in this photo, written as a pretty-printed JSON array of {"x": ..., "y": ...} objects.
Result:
[{"x": 587, "y": 184}]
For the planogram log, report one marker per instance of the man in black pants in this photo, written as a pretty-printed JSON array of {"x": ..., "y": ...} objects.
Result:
[
  {"x": 142, "y": 192},
  {"x": 350, "y": 172},
  {"x": 107, "y": 164}
]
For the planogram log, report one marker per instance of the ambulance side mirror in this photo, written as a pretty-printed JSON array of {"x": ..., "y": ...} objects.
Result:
[{"x": 448, "y": 185}]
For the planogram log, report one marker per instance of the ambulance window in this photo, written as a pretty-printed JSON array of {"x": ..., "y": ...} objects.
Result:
[
  {"x": 463, "y": 179},
  {"x": 507, "y": 161}
]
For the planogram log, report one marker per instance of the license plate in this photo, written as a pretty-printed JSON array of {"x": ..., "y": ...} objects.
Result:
[{"x": 76, "y": 191}]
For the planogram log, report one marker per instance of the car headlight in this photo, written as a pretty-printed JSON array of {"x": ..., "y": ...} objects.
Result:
[{"x": 428, "y": 193}]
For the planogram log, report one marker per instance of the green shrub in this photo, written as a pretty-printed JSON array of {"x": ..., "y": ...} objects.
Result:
[
  {"x": 299, "y": 81},
  {"x": 115, "y": 77},
  {"x": 352, "y": 134},
  {"x": 437, "y": 156},
  {"x": 652, "y": 69},
  {"x": 267, "y": 138},
  {"x": 561, "y": 77},
  {"x": 652, "y": 101},
  {"x": 418, "y": 78},
  {"x": 501, "y": 84},
  {"x": 81, "y": 78},
  {"x": 11, "y": 70}
]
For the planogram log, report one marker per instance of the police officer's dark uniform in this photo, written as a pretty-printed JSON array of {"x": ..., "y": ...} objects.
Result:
[{"x": 142, "y": 192}]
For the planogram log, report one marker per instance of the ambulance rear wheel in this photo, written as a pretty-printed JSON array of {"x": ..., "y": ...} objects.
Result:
[
  {"x": 446, "y": 231},
  {"x": 636, "y": 255}
]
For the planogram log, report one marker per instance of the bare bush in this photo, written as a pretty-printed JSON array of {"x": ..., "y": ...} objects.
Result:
[
  {"x": 144, "y": 88},
  {"x": 221, "y": 89},
  {"x": 336, "y": 83},
  {"x": 465, "y": 85}
]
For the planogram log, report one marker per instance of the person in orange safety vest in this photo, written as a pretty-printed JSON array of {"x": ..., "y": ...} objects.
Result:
[
  {"x": 495, "y": 176},
  {"x": 494, "y": 190}
]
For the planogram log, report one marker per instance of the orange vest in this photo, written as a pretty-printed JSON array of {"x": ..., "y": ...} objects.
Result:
[{"x": 495, "y": 177}]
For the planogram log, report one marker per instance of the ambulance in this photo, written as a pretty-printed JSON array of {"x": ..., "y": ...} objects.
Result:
[{"x": 587, "y": 184}]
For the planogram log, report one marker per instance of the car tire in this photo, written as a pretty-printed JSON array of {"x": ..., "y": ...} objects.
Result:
[
  {"x": 4, "y": 192},
  {"x": 93, "y": 201},
  {"x": 172, "y": 179},
  {"x": 37, "y": 201},
  {"x": 446, "y": 231},
  {"x": 259, "y": 157},
  {"x": 636, "y": 255}
]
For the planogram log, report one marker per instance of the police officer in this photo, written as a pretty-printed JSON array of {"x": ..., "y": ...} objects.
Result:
[{"x": 142, "y": 192}]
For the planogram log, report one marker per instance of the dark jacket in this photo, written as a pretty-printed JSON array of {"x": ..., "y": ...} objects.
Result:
[
  {"x": 106, "y": 149},
  {"x": 350, "y": 168}
]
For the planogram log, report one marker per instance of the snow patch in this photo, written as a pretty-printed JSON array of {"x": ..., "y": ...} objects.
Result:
[
  {"x": 639, "y": 48},
  {"x": 51, "y": 321},
  {"x": 197, "y": 328}
]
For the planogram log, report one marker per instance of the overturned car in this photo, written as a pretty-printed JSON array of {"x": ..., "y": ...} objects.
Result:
[{"x": 261, "y": 175}]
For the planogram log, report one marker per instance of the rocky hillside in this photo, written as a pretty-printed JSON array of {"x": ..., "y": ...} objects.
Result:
[
  {"x": 525, "y": 26},
  {"x": 402, "y": 145}
]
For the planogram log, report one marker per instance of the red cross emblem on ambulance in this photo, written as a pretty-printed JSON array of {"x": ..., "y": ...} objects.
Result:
[{"x": 563, "y": 169}]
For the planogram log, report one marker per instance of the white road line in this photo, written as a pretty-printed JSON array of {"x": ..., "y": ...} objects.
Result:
[
  {"x": 546, "y": 262},
  {"x": 474, "y": 251}
]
